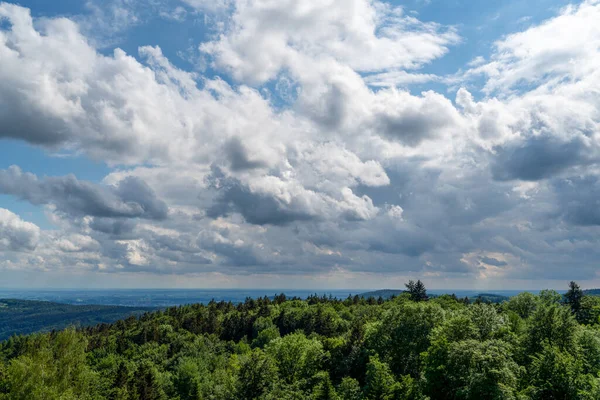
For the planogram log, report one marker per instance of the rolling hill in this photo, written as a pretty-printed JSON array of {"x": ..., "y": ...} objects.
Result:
[
  {"x": 26, "y": 316},
  {"x": 486, "y": 297}
]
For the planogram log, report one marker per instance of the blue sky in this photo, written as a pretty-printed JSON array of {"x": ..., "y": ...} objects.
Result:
[{"x": 259, "y": 143}]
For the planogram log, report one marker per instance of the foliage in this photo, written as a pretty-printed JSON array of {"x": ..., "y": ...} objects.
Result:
[
  {"x": 529, "y": 347},
  {"x": 573, "y": 297},
  {"x": 27, "y": 316},
  {"x": 416, "y": 290}
]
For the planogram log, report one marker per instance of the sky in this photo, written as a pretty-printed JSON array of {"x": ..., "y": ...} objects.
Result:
[{"x": 299, "y": 144}]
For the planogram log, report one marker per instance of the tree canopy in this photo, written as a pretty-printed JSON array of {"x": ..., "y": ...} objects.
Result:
[{"x": 410, "y": 347}]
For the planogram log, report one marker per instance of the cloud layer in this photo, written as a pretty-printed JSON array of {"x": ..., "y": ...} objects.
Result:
[{"x": 303, "y": 153}]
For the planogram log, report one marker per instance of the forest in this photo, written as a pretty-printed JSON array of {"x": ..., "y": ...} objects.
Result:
[
  {"x": 544, "y": 346},
  {"x": 27, "y": 316}
]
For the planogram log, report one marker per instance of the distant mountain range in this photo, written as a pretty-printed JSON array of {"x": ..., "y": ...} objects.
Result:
[{"x": 25, "y": 316}]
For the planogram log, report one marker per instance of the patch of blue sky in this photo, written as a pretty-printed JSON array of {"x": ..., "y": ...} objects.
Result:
[
  {"x": 479, "y": 24},
  {"x": 43, "y": 163},
  {"x": 45, "y": 8}
]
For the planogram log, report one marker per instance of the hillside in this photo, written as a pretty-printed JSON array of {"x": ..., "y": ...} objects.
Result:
[
  {"x": 490, "y": 297},
  {"x": 385, "y": 293},
  {"x": 25, "y": 316}
]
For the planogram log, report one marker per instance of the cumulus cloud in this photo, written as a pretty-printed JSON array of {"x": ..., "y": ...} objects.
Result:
[
  {"x": 561, "y": 48},
  {"x": 16, "y": 234},
  {"x": 538, "y": 158},
  {"x": 273, "y": 202},
  {"x": 578, "y": 199},
  {"x": 131, "y": 198},
  {"x": 264, "y": 37},
  {"x": 410, "y": 120}
]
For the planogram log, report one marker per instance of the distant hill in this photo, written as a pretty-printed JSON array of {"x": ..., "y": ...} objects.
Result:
[
  {"x": 592, "y": 292},
  {"x": 486, "y": 297},
  {"x": 26, "y": 316},
  {"x": 384, "y": 293},
  {"x": 491, "y": 297}
]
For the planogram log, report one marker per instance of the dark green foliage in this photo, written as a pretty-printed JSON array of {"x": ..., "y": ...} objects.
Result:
[
  {"x": 416, "y": 290},
  {"x": 573, "y": 297},
  {"x": 383, "y": 293},
  {"x": 147, "y": 384},
  {"x": 490, "y": 298},
  {"x": 19, "y": 317},
  {"x": 530, "y": 347}
]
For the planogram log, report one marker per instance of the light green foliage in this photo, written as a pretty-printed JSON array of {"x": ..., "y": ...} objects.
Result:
[
  {"x": 404, "y": 334},
  {"x": 588, "y": 342},
  {"x": 257, "y": 375},
  {"x": 589, "y": 312},
  {"x": 51, "y": 369},
  {"x": 265, "y": 336},
  {"x": 298, "y": 358},
  {"x": 548, "y": 297},
  {"x": 552, "y": 324},
  {"x": 349, "y": 389},
  {"x": 487, "y": 320},
  {"x": 379, "y": 380},
  {"x": 523, "y": 304},
  {"x": 324, "y": 389},
  {"x": 555, "y": 374}
]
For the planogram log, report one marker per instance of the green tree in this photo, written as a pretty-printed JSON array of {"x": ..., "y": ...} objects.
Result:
[
  {"x": 324, "y": 389},
  {"x": 147, "y": 383},
  {"x": 555, "y": 374},
  {"x": 53, "y": 367},
  {"x": 297, "y": 357},
  {"x": 416, "y": 290},
  {"x": 553, "y": 324},
  {"x": 588, "y": 344},
  {"x": 257, "y": 375},
  {"x": 403, "y": 335},
  {"x": 589, "y": 312},
  {"x": 523, "y": 304},
  {"x": 573, "y": 297},
  {"x": 187, "y": 379},
  {"x": 349, "y": 389},
  {"x": 470, "y": 370},
  {"x": 487, "y": 320},
  {"x": 379, "y": 380}
]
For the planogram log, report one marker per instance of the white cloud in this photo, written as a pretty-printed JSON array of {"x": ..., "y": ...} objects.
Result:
[
  {"x": 16, "y": 234},
  {"x": 399, "y": 78},
  {"x": 559, "y": 49},
  {"x": 265, "y": 36}
]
